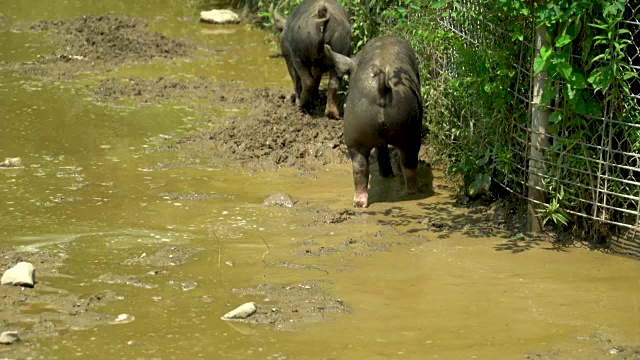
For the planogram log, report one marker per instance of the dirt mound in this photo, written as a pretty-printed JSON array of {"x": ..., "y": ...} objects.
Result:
[
  {"x": 268, "y": 131},
  {"x": 273, "y": 134},
  {"x": 99, "y": 41},
  {"x": 278, "y": 134},
  {"x": 153, "y": 90},
  {"x": 287, "y": 307}
]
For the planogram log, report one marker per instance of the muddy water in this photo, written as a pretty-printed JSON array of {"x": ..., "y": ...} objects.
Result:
[{"x": 419, "y": 278}]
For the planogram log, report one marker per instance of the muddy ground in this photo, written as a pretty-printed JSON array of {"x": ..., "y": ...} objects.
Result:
[
  {"x": 259, "y": 129},
  {"x": 263, "y": 132}
]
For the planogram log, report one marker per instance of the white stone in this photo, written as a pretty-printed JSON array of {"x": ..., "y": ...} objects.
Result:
[
  {"x": 9, "y": 337},
  {"x": 219, "y": 17},
  {"x": 123, "y": 319},
  {"x": 11, "y": 162},
  {"x": 22, "y": 274},
  {"x": 241, "y": 312}
]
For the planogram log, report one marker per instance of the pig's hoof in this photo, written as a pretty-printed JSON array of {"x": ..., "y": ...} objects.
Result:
[
  {"x": 332, "y": 113},
  {"x": 411, "y": 191},
  {"x": 360, "y": 200}
]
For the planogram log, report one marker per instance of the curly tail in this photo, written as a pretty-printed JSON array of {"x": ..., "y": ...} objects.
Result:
[
  {"x": 384, "y": 86},
  {"x": 322, "y": 17}
]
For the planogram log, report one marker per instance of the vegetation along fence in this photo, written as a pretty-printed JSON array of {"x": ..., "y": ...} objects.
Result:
[{"x": 540, "y": 98}]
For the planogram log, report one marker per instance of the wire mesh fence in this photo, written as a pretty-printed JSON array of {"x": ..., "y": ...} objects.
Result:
[{"x": 591, "y": 165}]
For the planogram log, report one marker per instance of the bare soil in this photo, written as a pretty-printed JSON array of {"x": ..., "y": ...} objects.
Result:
[{"x": 98, "y": 43}]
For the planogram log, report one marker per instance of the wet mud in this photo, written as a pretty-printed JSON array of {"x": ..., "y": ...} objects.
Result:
[
  {"x": 269, "y": 132},
  {"x": 97, "y": 43},
  {"x": 288, "y": 307},
  {"x": 264, "y": 132},
  {"x": 45, "y": 311},
  {"x": 257, "y": 129}
]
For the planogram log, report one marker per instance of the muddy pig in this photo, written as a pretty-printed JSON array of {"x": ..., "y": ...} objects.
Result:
[
  {"x": 311, "y": 25},
  {"x": 383, "y": 107}
]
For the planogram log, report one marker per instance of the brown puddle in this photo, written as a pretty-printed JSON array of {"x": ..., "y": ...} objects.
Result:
[{"x": 140, "y": 205}]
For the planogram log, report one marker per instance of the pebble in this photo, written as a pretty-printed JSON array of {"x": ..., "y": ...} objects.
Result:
[
  {"x": 22, "y": 274},
  {"x": 241, "y": 312},
  {"x": 219, "y": 17},
  {"x": 15, "y": 162},
  {"x": 123, "y": 319},
  {"x": 189, "y": 285},
  {"x": 279, "y": 199},
  {"x": 9, "y": 337}
]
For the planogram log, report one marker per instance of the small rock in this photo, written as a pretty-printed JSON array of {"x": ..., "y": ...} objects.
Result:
[
  {"x": 15, "y": 162},
  {"x": 22, "y": 274},
  {"x": 613, "y": 351},
  {"x": 229, "y": 263},
  {"x": 241, "y": 312},
  {"x": 9, "y": 337},
  {"x": 189, "y": 285},
  {"x": 279, "y": 199},
  {"x": 219, "y": 17},
  {"x": 123, "y": 319}
]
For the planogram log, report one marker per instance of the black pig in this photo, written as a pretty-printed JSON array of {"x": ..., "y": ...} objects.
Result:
[
  {"x": 383, "y": 107},
  {"x": 311, "y": 25}
]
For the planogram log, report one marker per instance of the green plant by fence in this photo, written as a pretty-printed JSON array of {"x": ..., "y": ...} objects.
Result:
[{"x": 484, "y": 61}]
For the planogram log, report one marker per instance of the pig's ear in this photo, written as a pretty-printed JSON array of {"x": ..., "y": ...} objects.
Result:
[
  {"x": 279, "y": 21},
  {"x": 344, "y": 65}
]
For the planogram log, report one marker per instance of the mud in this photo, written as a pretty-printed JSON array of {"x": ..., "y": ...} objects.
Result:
[
  {"x": 44, "y": 311},
  {"x": 98, "y": 43},
  {"x": 168, "y": 256},
  {"x": 600, "y": 347},
  {"x": 270, "y": 133},
  {"x": 259, "y": 129},
  {"x": 287, "y": 307}
]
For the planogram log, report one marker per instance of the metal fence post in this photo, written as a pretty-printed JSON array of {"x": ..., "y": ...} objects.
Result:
[{"x": 539, "y": 139}]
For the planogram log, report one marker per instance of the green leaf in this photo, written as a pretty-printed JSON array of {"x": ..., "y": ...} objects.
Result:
[
  {"x": 555, "y": 117},
  {"x": 601, "y": 78},
  {"x": 439, "y": 4},
  {"x": 545, "y": 51},
  {"x": 480, "y": 185},
  {"x": 547, "y": 95},
  {"x": 563, "y": 40},
  {"x": 539, "y": 64},
  {"x": 578, "y": 81},
  {"x": 565, "y": 70},
  {"x": 568, "y": 91}
]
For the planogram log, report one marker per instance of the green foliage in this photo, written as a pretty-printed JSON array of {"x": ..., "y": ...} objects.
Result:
[
  {"x": 554, "y": 211},
  {"x": 587, "y": 77}
]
